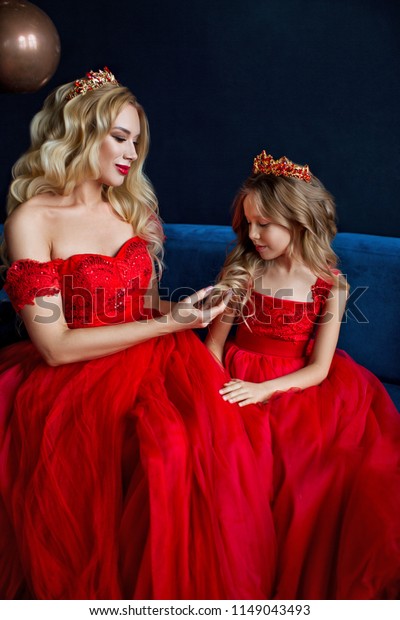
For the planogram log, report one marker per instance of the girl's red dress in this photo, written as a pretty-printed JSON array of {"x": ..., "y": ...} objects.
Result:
[
  {"x": 336, "y": 459},
  {"x": 126, "y": 476}
]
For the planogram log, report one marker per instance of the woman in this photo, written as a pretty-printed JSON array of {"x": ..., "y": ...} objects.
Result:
[{"x": 123, "y": 475}]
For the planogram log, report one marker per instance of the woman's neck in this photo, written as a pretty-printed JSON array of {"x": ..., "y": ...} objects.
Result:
[{"x": 86, "y": 194}]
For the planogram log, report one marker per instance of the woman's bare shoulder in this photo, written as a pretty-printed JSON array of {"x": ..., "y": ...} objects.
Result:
[
  {"x": 26, "y": 230},
  {"x": 36, "y": 207}
]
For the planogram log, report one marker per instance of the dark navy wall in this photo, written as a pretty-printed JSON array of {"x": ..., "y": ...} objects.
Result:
[{"x": 316, "y": 80}]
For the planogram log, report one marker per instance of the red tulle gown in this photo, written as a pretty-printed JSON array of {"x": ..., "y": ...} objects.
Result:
[
  {"x": 126, "y": 476},
  {"x": 336, "y": 452}
]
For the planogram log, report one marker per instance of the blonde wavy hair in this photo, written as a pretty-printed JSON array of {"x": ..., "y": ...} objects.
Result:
[
  {"x": 307, "y": 210},
  {"x": 66, "y": 136}
]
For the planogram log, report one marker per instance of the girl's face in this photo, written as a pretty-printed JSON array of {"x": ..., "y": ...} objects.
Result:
[
  {"x": 118, "y": 149},
  {"x": 271, "y": 240}
]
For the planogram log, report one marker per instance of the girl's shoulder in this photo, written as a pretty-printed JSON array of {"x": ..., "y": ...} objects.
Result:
[
  {"x": 337, "y": 280},
  {"x": 332, "y": 288}
]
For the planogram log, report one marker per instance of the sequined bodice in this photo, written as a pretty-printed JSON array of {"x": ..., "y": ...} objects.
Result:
[
  {"x": 95, "y": 289},
  {"x": 286, "y": 319}
]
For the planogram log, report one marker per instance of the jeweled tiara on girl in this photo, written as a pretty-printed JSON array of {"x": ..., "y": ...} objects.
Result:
[
  {"x": 92, "y": 81},
  {"x": 282, "y": 167}
]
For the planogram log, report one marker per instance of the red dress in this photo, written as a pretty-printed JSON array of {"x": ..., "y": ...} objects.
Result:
[
  {"x": 336, "y": 460},
  {"x": 126, "y": 476}
]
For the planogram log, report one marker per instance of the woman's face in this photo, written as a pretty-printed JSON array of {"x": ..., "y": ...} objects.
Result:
[
  {"x": 271, "y": 240},
  {"x": 118, "y": 149}
]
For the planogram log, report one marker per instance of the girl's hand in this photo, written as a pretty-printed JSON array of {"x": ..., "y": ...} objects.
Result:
[
  {"x": 188, "y": 313},
  {"x": 245, "y": 392}
]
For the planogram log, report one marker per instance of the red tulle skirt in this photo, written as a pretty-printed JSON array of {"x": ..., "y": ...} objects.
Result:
[
  {"x": 129, "y": 477},
  {"x": 336, "y": 469}
]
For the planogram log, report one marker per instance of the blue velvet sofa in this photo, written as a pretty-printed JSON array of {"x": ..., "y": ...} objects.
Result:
[{"x": 371, "y": 327}]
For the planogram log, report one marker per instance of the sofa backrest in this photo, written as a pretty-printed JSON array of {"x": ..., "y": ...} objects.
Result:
[{"x": 371, "y": 329}]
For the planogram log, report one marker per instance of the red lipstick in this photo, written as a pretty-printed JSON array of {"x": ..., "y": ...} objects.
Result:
[{"x": 122, "y": 169}]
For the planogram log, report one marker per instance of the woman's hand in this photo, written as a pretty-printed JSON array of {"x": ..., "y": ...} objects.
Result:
[
  {"x": 189, "y": 314},
  {"x": 245, "y": 392}
]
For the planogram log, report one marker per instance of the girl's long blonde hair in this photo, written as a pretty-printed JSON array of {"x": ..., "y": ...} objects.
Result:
[
  {"x": 65, "y": 140},
  {"x": 306, "y": 209}
]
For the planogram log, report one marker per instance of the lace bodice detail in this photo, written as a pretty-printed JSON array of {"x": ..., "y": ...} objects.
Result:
[
  {"x": 287, "y": 319},
  {"x": 96, "y": 289}
]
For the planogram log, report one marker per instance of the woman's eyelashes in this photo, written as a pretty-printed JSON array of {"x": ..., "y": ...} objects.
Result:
[{"x": 123, "y": 139}]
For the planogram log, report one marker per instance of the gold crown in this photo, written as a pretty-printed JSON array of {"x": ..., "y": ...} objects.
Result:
[
  {"x": 92, "y": 81},
  {"x": 283, "y": 167}
]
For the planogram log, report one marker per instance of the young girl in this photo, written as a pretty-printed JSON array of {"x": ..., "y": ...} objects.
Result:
[
  {"x": 335, "y": 431},
  {"x": 122, "y": 473}
]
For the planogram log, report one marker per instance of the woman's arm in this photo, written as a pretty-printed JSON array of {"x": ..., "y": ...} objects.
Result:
[
  {"x": 246, "y": 393},
  {"x": 60, "y": 345},
  {"x": 217, "y": 335}
]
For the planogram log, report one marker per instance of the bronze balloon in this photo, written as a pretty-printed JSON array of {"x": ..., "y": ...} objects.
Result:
[{"x": 29, "y": 47}]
